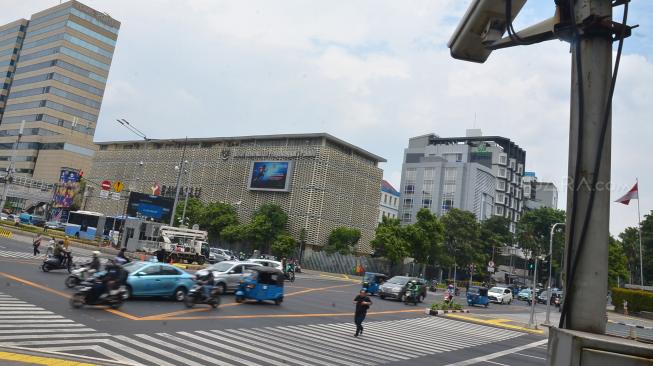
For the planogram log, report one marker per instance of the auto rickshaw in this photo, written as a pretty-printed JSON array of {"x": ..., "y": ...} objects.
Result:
[
  {"x": 263, "y": 283},
  {"x": 372, "y": 281},
  {"x": 477, "y": 295}
]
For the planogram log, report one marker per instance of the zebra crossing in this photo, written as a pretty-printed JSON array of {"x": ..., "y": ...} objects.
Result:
[
  {"x": 29, "y": 255},
  {"x": 29, "y": 326}
]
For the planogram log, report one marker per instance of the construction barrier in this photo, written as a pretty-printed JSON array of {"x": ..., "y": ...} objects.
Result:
[{"x": 6, "y": 233}]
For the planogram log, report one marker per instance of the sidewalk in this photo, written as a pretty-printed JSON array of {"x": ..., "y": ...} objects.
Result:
[{"x": 335, "y": 276}]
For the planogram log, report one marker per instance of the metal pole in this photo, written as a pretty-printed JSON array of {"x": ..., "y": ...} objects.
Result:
[
  {"x": 548, "y": 286},
  {"x": 10, "y": 169},
  {"x": 181, "y": 168},
  {"x": 641, "y": 257},
  {"x": 590, "y": 275},
  {"x": 531, "y": 320},
  {"x": 190, "y": 174}
]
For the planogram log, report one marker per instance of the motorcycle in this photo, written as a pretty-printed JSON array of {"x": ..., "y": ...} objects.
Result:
[
  {"x": 78, "y": 276},
  {"x": 114, "y": 297},
  {"x": 411, "y": 296},
  {"x": 196, "y": 296},
  {"x": 289, "y": 274},
  {"x": 433, "y": 287},
  {"x": 448, "y": 298},
  {"x": 52, "y": 263}
]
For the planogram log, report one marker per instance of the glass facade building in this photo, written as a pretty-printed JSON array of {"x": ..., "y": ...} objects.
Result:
[{"x": 55, "y": 68}]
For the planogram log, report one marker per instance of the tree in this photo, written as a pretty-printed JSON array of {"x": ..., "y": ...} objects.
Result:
[
  {"x": 194, "y": 212},
  {"x": 234, "y": 233},
  {"x": 629, "y": 239},
  {"x": 647, "y": 248},
  {"x": 216, "y": 216},
  {"x": 342, "y": 240},
  {"x": 617, "y": 263},
  {"x": 534, "y": 230},
  {"x": 461, "y": 237},
  {"x": 284, "y": 245},
  {"x": 426, "y": 237},
  {"x": 495, "y": 232},
  {"x": 267, "y": 223},
  {"x": 389, "y": 241}
]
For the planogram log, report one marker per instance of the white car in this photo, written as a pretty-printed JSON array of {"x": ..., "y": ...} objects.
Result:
[
  {"x": 500, "y": 295},
  {"x": 267, "y": 263}
]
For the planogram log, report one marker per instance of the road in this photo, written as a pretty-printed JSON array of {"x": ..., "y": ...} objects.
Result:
[{"x": 313, "y": 326}]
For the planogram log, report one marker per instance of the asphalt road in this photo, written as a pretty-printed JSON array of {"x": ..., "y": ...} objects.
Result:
[{"x": 313, "y": 326}]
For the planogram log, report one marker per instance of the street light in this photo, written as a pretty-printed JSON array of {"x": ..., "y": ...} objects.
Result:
[
  {"x": 548, "y": 286},
  {"x": 180, "y": 169}
]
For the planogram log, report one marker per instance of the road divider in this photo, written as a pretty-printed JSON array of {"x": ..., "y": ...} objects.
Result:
[{"x": 500, "y": 323}]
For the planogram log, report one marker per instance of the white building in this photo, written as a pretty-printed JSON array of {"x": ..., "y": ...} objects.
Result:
[
  {"x": 389, "y": 205},
  {"x": 539, "y": 194}
]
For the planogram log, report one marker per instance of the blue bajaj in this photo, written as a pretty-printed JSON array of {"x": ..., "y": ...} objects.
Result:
[
  {"x": 263, "y": 283},
  {"x": 477, "y": 296},
  {"x": 372, "y": 281}
]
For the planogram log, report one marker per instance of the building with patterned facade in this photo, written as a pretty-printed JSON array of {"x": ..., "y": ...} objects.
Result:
[
  {"x": 480, "y": 174},
  {"x": 331, "y": 183},
  {"x": 55, "y": 68}
]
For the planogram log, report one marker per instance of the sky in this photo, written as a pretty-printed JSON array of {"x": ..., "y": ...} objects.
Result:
[{"x": 373, "y": 73}]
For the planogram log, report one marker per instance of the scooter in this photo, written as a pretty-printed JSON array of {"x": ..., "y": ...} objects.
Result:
[
  {"x": 196, "y": 296},
  {"x": 114, "y": 297},
  {"x": 433, "y": 287},
  {"x": 411, "y": 296},
  {"x": 52, "y": 263},
  {"x": 78, "y": 276}
]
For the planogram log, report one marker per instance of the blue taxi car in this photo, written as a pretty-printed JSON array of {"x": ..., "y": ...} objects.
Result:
[{"x": 147, "y": 279}]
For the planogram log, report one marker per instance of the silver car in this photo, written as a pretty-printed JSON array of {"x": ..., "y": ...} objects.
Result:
[
  {"x": 228, "y": 274},
  {"x": 219, "y": 255}
]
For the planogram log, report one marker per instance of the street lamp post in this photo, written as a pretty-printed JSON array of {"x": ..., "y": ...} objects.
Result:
[
  {"x": 10, "y": 169},
  {"x": 181, "y": 168},
  {"x": 531, "y": 321},
  {"x": 190, "y": 175},
  {"x": 548, "y": 286}
]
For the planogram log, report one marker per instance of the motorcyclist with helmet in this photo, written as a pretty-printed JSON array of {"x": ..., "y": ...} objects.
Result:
[
  {"x": 207, "y": 281},
  {"x": 94, "y": 264}
]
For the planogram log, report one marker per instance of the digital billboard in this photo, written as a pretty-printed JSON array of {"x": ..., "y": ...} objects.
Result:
[
  {"x": 270, "y": 176},
  {"x": 148, "y": 206},
  {"x": 66, "y": 189}
]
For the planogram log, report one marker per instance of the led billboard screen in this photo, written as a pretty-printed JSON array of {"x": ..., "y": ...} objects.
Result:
[
  {"x": 148, "y": 206},
  {"x": 270, "y": 176}
]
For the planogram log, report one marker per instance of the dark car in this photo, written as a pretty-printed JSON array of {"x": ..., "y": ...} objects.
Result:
[{"x": 395, "y": 288}]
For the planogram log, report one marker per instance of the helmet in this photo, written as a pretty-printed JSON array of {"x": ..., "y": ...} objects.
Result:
[{"x": 96, "y": 254}]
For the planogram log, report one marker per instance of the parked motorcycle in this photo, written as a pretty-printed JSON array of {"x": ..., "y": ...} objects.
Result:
[
  {"x": 52, "y": 263},
  {"x": 114, "y": 297},
  {"x": 196, "y": 296},
  {"x": 78, "y": 276}
]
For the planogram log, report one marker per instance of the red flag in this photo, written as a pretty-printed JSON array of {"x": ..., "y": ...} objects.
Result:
[{"x": 631, "y": 195}]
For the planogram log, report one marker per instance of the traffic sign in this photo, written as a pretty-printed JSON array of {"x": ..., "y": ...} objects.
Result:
[
  {"x": 490, "y": 269},
  {"x": 115, "y": 196},
  {"x": 106, "y": 185},
  {"x": 490, "y": 264},
  {"x": 118, "y": 186},
  {"x": 104, "y": 194}
]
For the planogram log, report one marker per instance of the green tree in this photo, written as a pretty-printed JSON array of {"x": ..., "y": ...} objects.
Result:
[
  {"x": 426, "y": 237},
  {"x": 461, "y": 237},
  {"x": 194, "y": 212},
  {"x": 342, "y": 240},
  {"x": 495, "y": 233},
  {"x": 234, "y": 233},
  {"x": 284, "y": 245},
  {"x": 267, "y": 223},
  {"x": 215, "y": 217},
  {"x": 534, "y": 230},
  {"x": 389, "y": 241},
  {"x": 629, "y": 239},
  {"x": 647, "y": 248},
  {"x": 617, "y": 263}
]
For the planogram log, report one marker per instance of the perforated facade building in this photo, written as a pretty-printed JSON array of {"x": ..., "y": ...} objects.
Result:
[{"x": 333, "y": 183}]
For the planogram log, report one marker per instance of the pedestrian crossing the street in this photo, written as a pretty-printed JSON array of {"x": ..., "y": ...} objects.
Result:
[
  {"x": 333, "y": 344},
  {"x": 29, "y": 255}
]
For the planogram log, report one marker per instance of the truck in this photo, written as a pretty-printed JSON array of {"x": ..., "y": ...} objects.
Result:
[{"x": 180, "y": 244}]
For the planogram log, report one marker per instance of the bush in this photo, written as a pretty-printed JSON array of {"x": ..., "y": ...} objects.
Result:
[
  {"x": 638, "y": 300},
  {"x": 446, "y": 306}
]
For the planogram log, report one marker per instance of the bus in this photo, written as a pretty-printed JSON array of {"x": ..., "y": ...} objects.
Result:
[{"x": 84, "y": 224}]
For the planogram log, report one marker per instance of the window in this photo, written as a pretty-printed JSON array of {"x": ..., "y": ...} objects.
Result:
[
  {"x": 236, "y": 269},
  {"x": 429, "y": 173},
  {"x": 154, "y": 270},
  {"x": 453, "y": 158},
  {"x": 169, "y": 271},
  {"x": 411, "y": 174},
  {"x": 449, "y": 175},
  {"x": 10, "y": 41},
  {"x": 501, "y": 185},
  {"x": 426, "y": 203},
  {"x": 512, "y": 164},
  {"x": 409, "y": 189},
  {"x": 503, "y": 159},
  {"x": 502, "y": 172},
  {"x": 500, "y": 198},
  {"x": 395, "y": 201},
  {"x": 88, "y": 32},
  {"x": 407, "y": 217},
  {"x": 520, "y": 168},
  {"x": 427, "y": 188},
  {"x": 385, "y": 198},
  {"x": 408, "y": 203},
  {"x": 93, "y": 20}
]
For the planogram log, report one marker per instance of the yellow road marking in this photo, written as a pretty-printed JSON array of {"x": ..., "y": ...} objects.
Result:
[
  {"x": 346, "y": 278},
  {"x": 315, "y": 289},
  {"x": 254, "y": 316},
  {"x": 495, "y": 322},
  {"x": 8, "y": 356}
]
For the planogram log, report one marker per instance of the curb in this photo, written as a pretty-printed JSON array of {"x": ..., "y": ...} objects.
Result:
[
  {"x": 442, "y": 312},
  {"x": 630, "y": 325}
]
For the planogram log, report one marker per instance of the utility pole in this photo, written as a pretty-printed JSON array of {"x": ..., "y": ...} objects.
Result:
[
  {"x": 190, "y": 175},
  {"x": 10, "y": 169},
  {"x": 531, "y": 320},
  {"x": 181, "y": 169},
  {"x": 587, "y": 226},
  {"x": 548, "y": 282}
]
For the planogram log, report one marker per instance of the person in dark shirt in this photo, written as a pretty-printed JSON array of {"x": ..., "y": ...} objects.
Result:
[{"x": 362, "y": 302}]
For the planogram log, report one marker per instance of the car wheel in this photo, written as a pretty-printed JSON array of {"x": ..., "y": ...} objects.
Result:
[
  {"x": 240, "y": 299},
  {"x": 509, "y": 301},
  {"x": 180, "y": 294},
  {"x": 382, "y": 297}
]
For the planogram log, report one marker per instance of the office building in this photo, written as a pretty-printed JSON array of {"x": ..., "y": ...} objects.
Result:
[
  {"x": 55, "y": 69},
  {"x": 480, "y": 174},
  {"x": 389, "y": 205},
  {"x": 539, "y": 194},
  {"x": 320, "y": 181}
]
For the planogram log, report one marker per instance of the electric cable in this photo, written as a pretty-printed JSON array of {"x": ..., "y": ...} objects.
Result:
[{"x": 596, "y": 167}]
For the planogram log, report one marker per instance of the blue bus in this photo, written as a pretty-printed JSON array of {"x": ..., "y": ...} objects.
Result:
[{"x": 84, "y": 224}]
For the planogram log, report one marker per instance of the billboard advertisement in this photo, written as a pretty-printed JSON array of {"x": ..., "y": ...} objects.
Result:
[
  {"x": 148, "y": 206},
  {"x": 67, "y": 188},
  {"x": 270, "y": 176}
]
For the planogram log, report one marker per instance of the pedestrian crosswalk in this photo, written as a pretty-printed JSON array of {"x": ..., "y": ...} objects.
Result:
[
  {"x": 29, "y": 255},
  {"x": 332, "y": 344}
]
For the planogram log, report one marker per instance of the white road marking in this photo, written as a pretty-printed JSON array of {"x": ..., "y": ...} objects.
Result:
[
  {"x": 158, "y": 351},
  {"x": 525, "y": 355},
  {"x": 499, "y": 354}
]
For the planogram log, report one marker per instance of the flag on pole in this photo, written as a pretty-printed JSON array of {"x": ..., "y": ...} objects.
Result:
[{"x": 631, "y": 195}]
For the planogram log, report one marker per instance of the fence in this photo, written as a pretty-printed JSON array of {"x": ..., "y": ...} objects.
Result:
[{"x": 351, "y": 264}]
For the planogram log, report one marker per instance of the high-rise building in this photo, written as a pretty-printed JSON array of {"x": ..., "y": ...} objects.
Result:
[
  {"x": 539, "y": 194},
  {"x": 389, "y": 205},
  {"x": 55, "y": 68},
  {"x": 480, "y": 174}
]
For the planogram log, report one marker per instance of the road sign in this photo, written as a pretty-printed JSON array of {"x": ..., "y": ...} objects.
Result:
[
  {"x": 490, "y": 269},
  {"x": 490, "y": 264},
  {"x": 104, "y": 194},
  {"x": 118, "y": 186},
  {"x": 106, "y": 185},
  {"x": 115, "y": 196}
]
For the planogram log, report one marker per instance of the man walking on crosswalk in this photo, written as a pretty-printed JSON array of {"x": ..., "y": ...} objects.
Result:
[{"x": 362, "y": 302}]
